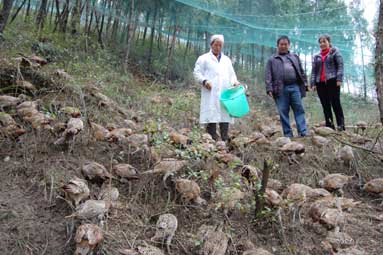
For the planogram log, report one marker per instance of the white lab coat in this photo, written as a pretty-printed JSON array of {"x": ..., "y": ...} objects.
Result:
[{"x": 222, "y": 76}]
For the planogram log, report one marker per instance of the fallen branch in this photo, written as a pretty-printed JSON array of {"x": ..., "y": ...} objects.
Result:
[
  {"x": 377, "y": 138},
  {"x": 376, "y": 141},
  {"x": 357, "y": 147},
  {"x": 183, "y": 247}
]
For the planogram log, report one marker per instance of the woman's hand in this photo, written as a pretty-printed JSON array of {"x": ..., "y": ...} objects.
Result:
[
  {"x": 313, "y": 88},
  {"x": 208, "y": 85},
  {"x": 338, "y": 83}
]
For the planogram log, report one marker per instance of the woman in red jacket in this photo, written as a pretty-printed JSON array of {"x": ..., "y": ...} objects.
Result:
[{"x": 327, "y": 78}]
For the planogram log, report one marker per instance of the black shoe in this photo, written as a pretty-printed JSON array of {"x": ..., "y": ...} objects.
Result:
[
  {"x": 341, "y": 128},
  {"x": 330, "y": 125}
]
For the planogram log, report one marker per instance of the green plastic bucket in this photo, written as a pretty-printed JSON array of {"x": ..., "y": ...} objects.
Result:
[{"x": 235, "y": 101}]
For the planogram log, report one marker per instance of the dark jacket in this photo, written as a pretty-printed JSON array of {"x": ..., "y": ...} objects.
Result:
[
  {"x": 333, "y": 67},
  {"x": 275, "y": 72}
]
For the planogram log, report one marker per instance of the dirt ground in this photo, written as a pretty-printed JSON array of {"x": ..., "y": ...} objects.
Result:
[{"x": 32, "y": 208}]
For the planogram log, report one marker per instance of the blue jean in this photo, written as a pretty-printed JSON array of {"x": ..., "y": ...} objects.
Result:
[{"x": 291, "y": 97}]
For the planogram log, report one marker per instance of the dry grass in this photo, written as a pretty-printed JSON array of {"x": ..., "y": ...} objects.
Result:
[{"x": 32, "y": 214}]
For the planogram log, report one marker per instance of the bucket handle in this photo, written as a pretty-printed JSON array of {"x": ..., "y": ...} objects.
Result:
[{"x": 244, "y": 85}]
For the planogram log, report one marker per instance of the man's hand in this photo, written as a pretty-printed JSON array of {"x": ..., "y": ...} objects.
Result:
[
  {"x": 270, "y": 94},
  {"x": 208, "y": 85},
  {"x": 338, "y": 83},
  {"x": 237, "y": 83}
]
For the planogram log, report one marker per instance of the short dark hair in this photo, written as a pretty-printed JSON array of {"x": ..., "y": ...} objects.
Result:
[
  {"x": 283, "y": 37},
  {"x": 326, "y": 37}
]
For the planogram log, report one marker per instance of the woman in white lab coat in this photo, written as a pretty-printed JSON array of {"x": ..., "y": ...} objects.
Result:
[{"x": 215, "y": 72}]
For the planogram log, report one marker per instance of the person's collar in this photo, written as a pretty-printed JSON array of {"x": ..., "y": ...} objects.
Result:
[
  {"x": 211, "y": 52},
  {"x": 326, "y": 50},
  {"x": 284, "y": 53},
  {"x": 217, "y": 57}
]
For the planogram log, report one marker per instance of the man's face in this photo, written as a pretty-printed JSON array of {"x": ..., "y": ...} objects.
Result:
[
  {"x": 216, "y": 47},
  {"x": 283, "y": 46}
]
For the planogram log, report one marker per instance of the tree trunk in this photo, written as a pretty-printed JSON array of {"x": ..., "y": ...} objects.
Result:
[
  {"x": 90, "y": 20},
  {"x": 4, "y": 14},
  {"x": 170, "y": 53},
  {"x": 187, "y": 44},
  {"x": 237, "y": 61},
  {"x": 63, "y": 19},
  {"x": 379, "y": 61},
  {"x": 86, "y": 15},
  {"x": 99, "y": 30},
  {"x": 109, "y": 21},
  {"x": 207, "y": 36},
  {"x": 76, "y": 15},
  {"x": 138, "y": 36},
  {"x": 28, "y": 10},
  {"x": 41, "y": 15},
  {"x": 100, "y": 25},
  {"x": 51, "y": 12},
  {"x": 262, "y": 55},
  {"x": 363, "y": 69},
  {"x": 348, "y": 86},
  {"x": 135, "y": 26},
  {"x": 150, "y": 53},
  {"x": 253, "y": 60},
  {"x": 58, "y": 14},
  {"x": 146, "y": 27},
  {"x": 130, "y": 33},
  {"x": 116, "y": 23},
  {"x": 168, "y": 39},
  {"x": 17, "y": 11},
  {"x": 159, "y": 33}
]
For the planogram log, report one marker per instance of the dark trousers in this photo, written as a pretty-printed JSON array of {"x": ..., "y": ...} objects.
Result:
[
  {"x": 329, "y": 95},
  {"x": 223, "y": 128}
]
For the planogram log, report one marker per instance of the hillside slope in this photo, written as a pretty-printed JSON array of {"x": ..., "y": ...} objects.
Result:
[{"x": 147, "y": 125}]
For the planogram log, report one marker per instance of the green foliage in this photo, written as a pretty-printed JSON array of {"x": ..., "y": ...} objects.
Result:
[
  {"x": 83, "y": 58},
  {"x": 250, "y": 29},
  {"x": 354, "y": 108},
  {"x": 47, "y": 50},
  {"x": 196, "y": 152},
  {"x": 219, "y": 183},
  {"x": 235, "y": 180}
]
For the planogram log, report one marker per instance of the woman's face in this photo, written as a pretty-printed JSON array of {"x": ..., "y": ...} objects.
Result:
[{"x": 324, "y": 44}]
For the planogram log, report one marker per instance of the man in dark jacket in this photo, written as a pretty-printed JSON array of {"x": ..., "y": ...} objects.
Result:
[{"x": 286, "y": 82}]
